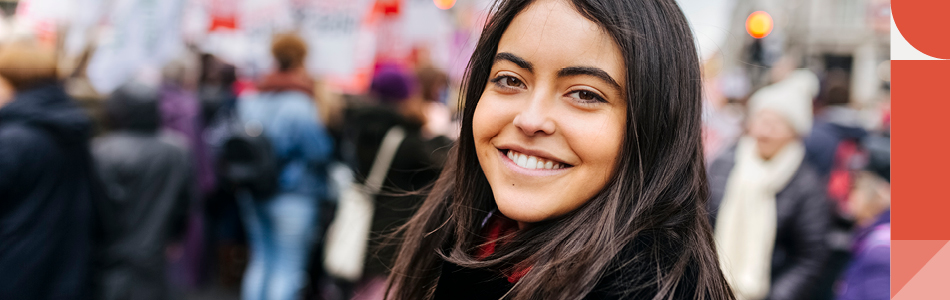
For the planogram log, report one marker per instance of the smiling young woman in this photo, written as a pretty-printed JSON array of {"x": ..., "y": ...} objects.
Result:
[{"x": 579, "y": 171}]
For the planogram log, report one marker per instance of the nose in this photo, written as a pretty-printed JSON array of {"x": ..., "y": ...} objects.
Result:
[{"x": 535, "y": 119}]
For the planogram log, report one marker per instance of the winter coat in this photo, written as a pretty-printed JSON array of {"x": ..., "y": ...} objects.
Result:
[
  {"x": 149, "y": 182},
  {"x": 804, "y": 217},
  {"x": 417, "y": 163},
  {"x": 47, "y": 191},
  {"x": 869, "y": 275},
  {"x": 831, "y": 127},
  {"x": 629, "y": 276},
  {"x": 181, "y": 113}
]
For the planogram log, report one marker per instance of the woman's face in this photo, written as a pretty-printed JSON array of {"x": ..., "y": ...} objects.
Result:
[
  {"x": 771, "y": 132},
  {"x": 549, "y": 125},
  {"x": 868, "y": 198}
]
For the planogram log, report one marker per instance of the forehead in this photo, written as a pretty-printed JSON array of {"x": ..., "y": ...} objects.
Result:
[{"x": 552, "y": 34}]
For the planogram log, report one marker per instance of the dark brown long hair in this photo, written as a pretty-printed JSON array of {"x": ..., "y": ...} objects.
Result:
[{"x": 659, "y": 188}]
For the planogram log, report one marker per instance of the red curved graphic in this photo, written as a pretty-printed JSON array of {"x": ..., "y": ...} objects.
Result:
[{"x": 924, "y": 24}]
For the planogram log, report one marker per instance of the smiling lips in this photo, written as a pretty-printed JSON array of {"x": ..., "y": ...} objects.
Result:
[{"x": 533, "y": 162}]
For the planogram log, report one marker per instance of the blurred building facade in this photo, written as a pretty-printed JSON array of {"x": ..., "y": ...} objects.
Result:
[{"x": 852, "y": 35}]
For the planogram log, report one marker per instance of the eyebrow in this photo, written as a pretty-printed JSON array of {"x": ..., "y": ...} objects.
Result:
[
  {"x": 589, "y": 71},
  {"x": 564, "y": 72},
  {"x": 524, "y": 64}
]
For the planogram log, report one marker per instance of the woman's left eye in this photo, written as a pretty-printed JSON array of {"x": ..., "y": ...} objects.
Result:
[
  {"x": 586, "y": 96},
  {"x": 508, "y": 82}
]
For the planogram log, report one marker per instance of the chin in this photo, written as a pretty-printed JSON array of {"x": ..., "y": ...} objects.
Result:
[
  {"x": 520, "y": 215},
  {"x": 525, "y": 209}
]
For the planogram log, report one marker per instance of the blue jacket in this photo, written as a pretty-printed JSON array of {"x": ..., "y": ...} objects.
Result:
[{"x": 291, "y": 122}]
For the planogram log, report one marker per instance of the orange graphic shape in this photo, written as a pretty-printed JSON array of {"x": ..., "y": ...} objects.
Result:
[
  {"x": 919, "y": 160},
  {"x": 907, "y": 259},
  {"x": 930, "y": 282},
  {"x": 924, "y": 24}
]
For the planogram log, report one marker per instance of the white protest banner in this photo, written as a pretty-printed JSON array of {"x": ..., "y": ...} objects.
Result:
[
  {"x": 142, "y": 34},
  {"x": 342, "y": 42}
]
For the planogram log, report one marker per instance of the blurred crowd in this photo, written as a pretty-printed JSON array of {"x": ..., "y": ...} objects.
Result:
[
  {"x": 800, "y": 188},
  {"x": 197, "y": 178}
]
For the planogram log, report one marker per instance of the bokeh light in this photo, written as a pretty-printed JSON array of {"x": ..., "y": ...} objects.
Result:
[
  {"x": 444, "y": 4},
  {"x": 759, "y": 24}
]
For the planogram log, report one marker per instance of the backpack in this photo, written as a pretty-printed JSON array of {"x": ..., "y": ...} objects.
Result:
[{"x": 247, "y": 160}]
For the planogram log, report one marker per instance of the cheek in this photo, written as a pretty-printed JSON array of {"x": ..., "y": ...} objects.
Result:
[
  {"x": 488, "y": 120},
  {"x": 855, "y": 202},
  {"x": 598, "y": 145},
  {"x": 754, "y": 129},
  {"x": 788, "y": 133}
]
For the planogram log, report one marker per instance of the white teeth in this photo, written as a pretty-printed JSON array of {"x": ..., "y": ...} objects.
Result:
[{"x": 532, "y": 162}]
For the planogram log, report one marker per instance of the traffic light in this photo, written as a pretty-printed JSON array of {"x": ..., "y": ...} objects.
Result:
[
  {"x": 759, "y": 24},
  {"x": 444, "y": 4}
]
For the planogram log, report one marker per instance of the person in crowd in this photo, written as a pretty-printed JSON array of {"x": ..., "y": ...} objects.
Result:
[
  {"x": 290, "y": 51},
  {"x": 868, "y": 275},
  {"x": 722, "y": 120},
  {"x": 579, "y": 171},
  {"x": 433, "y": 86},
  {"x": 835, "y": 122},
  {"x": 832, "y": 148},
  {"x": 48, "y": 188},
  {"x": 181, "y": 113},
  {"x": 224, "y": 229},
  {"x": 281, "y": 227},
  {"x": 216, "y": 87},
  {"x": 767, "y": 203},
  {"x": 416, "y": 164},
  {"x": 149, "y": 183}
]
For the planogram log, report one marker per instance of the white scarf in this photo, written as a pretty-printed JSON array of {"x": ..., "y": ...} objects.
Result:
[{"x": 747, "y": 221}]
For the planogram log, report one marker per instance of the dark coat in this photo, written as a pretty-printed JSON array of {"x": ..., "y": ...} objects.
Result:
[
  {"x": 46, "y": 197},
  {"x": 628, "y": 277},
  {"x": 416, "y": 164},
  {"x": 822, "y": 143},
  {"x": 149, "y": 182},
  {"x": 804, "y": 217}
]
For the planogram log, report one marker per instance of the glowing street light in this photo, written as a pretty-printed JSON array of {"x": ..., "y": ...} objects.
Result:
[
  {"x": 759, "y": 24},
  {"x": 444, "y": 4}
]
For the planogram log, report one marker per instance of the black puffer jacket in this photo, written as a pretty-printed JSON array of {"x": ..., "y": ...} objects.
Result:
[
  {"x": 631, "y": 275},
  {"x": 149, "y": 183},
  {"x": 804, "y": 217},
  {"x": 416, "y": 164},
  {"x": 46, "y": 197}
]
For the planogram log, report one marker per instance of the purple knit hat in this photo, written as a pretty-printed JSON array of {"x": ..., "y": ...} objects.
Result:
[{"x": 392, "y": 85}]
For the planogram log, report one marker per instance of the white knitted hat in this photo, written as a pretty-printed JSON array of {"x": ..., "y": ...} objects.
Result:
[{"x": 791, "y": 98}]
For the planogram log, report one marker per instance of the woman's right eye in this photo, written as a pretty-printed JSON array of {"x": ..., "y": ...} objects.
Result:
[{"x": 508, "y": 82}]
